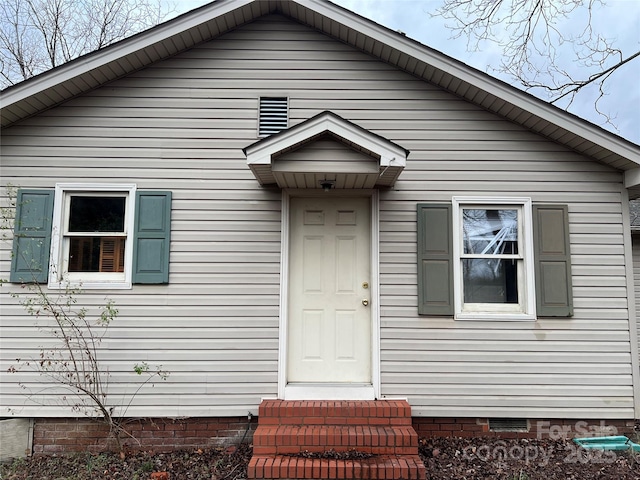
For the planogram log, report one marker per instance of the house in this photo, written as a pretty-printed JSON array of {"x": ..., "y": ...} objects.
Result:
[{"x": 288, "y": 201}]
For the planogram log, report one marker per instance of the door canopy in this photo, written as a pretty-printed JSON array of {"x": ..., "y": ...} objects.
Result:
[{"x": 327, "y": 152}]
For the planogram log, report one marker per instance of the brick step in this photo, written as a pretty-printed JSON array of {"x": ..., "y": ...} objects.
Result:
[
  {"x": 374, "y": 412},
  {"x": 380, "y": 427},
  {"x": 291, "y": 439},
  {"x": 387, "y": 467}
]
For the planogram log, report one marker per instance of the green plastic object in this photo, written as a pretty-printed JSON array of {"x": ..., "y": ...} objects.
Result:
[{"x": 618, "y": 442}]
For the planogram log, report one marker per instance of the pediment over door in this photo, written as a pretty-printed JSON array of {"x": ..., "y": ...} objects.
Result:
[{"x": 326, "y": 148}]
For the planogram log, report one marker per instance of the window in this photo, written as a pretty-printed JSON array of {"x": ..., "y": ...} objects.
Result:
[
  {"x": 477, "y": 257},
  {"x": 490, "y": 255},
  {"x": 96, "y": 235},
  {"x": 493, "y": 263},
  {"x": 274, "y": 115},
  {"x": 94, "y": 246}
]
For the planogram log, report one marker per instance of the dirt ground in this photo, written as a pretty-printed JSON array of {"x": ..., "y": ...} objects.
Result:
[
  {"x": 489, "y": 458},
  {"x": 445, "y": 459}
]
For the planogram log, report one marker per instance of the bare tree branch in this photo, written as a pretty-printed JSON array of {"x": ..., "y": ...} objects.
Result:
[
  {"x": 36, "y": 35},
  {"x": 539, "y": 52}
]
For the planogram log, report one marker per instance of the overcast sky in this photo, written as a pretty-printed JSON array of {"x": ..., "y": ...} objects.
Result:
[{"x": 619, "y": 19}]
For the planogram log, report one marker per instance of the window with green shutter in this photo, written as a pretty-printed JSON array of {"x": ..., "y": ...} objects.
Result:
[
  {"x": 493, "y": 259},
  {"x": 106, "y": 236}
]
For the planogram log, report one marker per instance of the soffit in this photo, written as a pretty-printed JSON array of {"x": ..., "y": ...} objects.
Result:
[{"x": 203, "y": 24}]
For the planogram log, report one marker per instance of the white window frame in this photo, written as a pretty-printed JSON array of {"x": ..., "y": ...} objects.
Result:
[
  {"x": 524, "y": 310},
  {"x": 59, "y": 276}
]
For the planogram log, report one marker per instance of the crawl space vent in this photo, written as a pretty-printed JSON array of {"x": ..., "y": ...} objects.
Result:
[
  {"x": 274, "y": 115},
  {"x": 508, "y": 425}
]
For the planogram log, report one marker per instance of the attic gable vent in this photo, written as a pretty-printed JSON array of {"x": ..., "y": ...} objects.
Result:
[{"x": 274, "y": 115}]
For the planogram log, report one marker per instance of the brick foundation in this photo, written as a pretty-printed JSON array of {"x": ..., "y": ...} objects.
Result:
[
  {"x": 61, "y": 435},
  {"x": 432, "y": 427}
]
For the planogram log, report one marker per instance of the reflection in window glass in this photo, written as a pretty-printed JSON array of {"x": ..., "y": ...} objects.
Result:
[
  {"x": 490, "y": 231},
  {"x": 490, "y": 280},
  {"x": 489, "y": 235}
]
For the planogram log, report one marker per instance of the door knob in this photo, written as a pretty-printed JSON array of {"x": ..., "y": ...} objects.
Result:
[{"x": 365, "y": 302}]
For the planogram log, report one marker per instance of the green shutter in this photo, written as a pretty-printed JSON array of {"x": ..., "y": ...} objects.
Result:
[
  {"x": 32, "y": 236},
  {"x": 553, "y": 261},
  {"x": 152, "y": 237},
  {"x": 435, "y": 259}
]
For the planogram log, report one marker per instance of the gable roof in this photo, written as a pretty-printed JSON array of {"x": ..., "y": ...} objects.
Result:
[
  {"x": 390, "y": 158},
  {"x": 205, "y": 23}
]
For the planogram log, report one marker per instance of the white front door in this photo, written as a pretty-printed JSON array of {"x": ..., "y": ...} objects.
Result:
[{"x": 329, "y": 340}]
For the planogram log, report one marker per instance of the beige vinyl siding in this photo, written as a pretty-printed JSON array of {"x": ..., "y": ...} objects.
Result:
[
  {"x": 326, "y": 155},
  {"x": 181, "y": 124}
]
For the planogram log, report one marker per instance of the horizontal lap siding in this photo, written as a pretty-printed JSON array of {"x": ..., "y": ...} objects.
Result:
[
  {"x": 181, "y": 125},
  {"x": 571, "y": 367}
]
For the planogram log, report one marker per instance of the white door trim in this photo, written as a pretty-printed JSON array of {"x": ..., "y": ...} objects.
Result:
[{"x": 297, "y": 390}]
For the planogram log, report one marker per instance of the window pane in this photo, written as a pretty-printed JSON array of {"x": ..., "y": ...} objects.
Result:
[
  {"x": 490, "y": 231},
  {"x": 97, "y": 214},
  {"x": 490, "y": 280},
  {"x": 95, "y": 254}
]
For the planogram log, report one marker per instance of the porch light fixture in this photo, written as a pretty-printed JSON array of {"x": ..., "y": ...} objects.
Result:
[{"x": 327, "y": 184}]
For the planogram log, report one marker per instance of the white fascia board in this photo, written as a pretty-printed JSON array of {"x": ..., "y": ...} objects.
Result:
[
  {"x": 390, "y": 154},
  {"x": 260, "y": 159},
  {"x": 120, "y": 49},
  {"x": 478, "y": 79}
]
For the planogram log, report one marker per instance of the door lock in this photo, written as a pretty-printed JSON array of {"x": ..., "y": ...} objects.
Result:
[{"x": 365, "y": 302}]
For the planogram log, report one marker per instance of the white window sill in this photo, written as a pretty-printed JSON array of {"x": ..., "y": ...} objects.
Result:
[
  {"x": 90, "y": 285},
  {"x": 495, "y": 317}
]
